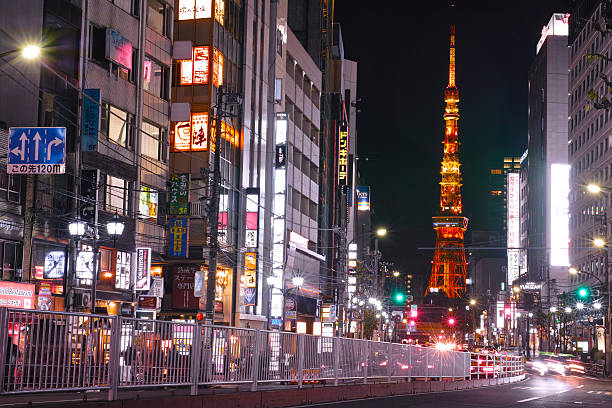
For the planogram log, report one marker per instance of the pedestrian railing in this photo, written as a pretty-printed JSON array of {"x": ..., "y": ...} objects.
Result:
[{"x": 54, "y": 351}]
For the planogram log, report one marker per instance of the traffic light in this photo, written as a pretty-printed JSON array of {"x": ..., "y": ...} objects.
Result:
[
  {"x": 451, "y": 321},
  {"x": 583, "y": 292},
  {"x": 399, "y": 297}
]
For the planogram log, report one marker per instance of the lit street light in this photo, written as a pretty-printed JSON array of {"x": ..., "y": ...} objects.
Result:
[
  {"x": 599, "y": 243},
  {"x": 596, "y": 306},
  {"x": 568, "y": 310},
  {"x": 381, "y": 232},
  {"x": 30, "y": 51},
  {"x": 473, "y": 302},
  {"x": 553, "y": 309},
  {"x": 579, "y": 305},
  {"x": 593, "y": 188}
]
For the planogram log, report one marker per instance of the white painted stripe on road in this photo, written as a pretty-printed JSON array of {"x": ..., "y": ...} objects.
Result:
[
  {"x": 529, "y": 399},
  {"x": 580, "y": 386},
  {"x": 590, "y": 392},
  {"x": 561, "y": 392}
]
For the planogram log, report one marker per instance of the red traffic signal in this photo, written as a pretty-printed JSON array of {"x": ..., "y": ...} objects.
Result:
[{"x": 451, "y": 321}]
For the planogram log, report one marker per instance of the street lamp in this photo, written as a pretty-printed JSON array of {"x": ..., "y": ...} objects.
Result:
[
  {"x": 297, "y": 281},
  {"x": 78, "y": 229},
  {"x": 579, "y": 305},
  {"x": 396, "y": 274},
  {"x": 599, "y": 243},
  {"x": 473, "y": 302},
  {"x": 593, "y": 188},
  {"x": 553, "y": 309},
  {"x": 30, "y": 51},
  {"x": 381, "y": 232},
  {"x": 596, "y": 306}
]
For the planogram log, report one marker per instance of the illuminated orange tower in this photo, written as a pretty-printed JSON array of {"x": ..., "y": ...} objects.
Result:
[{"x": 449, "y": 265}]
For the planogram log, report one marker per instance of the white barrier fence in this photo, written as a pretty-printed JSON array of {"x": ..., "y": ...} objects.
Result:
[{"x": 53, "y": 351}]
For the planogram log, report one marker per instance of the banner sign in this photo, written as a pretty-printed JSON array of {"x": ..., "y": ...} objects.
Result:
[
  {"x": 177, "y": 237},
  {"x": 157, "y": 287},
  {"x": 17, "y": 295},
  {"x": 252, "y": 217},
  {"x": 118, "y": 49},
  {"x": 363, "y": 198},
  {"x": 91, "y": 120},
  {"x": 179, "y": 194},
  {"x": 182, "y": 289},
  {"x": 281, "y": 156},
  {"x": 44, "y": 296},
  {"x": 343, "y": 156},
  {"x": 143, "y": 269}
]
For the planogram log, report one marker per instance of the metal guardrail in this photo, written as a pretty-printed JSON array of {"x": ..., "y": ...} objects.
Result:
[{"x": 55, "y": 351}]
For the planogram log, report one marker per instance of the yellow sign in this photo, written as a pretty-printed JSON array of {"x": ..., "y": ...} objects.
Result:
[{"x": 343, "y": 157}]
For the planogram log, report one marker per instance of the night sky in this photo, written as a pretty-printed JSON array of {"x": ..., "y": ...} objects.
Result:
[{"x": 402, "y": 52}]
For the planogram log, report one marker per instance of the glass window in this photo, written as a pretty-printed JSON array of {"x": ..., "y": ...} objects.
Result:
[
  {"x": 125, "y": 5},
  {"x": 149, "y": 141},
  {"x": 156, "y": 16},
  {"x": 116, "y": 195},
  {"x": 154, "y": 75},
  {"x": 117, "y": 125},
  {"x": 147, "y": 203}
]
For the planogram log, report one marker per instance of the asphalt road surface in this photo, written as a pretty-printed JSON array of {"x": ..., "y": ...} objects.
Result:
[{"x": 536, "y": 391}]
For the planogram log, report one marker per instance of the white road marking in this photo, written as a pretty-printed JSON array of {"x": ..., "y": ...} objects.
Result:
[
  {"x": 529, "y": 399},
  {"x": 580, "y": 386},
  {"x": 561, "y": 392},
  {"x": 590, "y": 392}
]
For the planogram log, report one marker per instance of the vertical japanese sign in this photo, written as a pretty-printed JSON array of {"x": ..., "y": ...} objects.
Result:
[
  {"x": 343, "y": 155},
  {"x": 143, "y": 269},
  {"x": 252, "y": 217},
  {"x": 177, "y": 237},
  {"x": 182, "y": 291},
  {"x": 250, "y": 278},
  {"x": 91, "y": 120},
  {"x": 513, "y": 227},
  {"x": 217, "y": 68},
  {"x": 179, "y": 194}
]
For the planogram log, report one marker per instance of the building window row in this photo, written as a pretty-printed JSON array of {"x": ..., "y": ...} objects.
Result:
[{"x": 302, "y": 81}]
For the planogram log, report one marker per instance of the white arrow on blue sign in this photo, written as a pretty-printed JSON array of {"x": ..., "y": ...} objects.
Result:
[{"x": 37, "y": 150}]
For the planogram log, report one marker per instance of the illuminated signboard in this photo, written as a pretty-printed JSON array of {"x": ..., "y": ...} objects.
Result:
[
  {"x": 118, "y": 49},
  {"x": 182, "y": 136},
  {"x": 55, "y": 262},
  {"x": 177, "y": 237},
  {"x": 220, "y": 11},
  {"x": 558, "y": 25},
  {"x": 195, "y": 71},
  {"x": 217, "y": 67},
  {"x": 278, "y": 223},
  {"x": 513, "y": 227},
  {"x": 199, "y": 131},
  {"x": 343, "y": 156},
  {"x": 147, "y": 203},
  {"x": 363, "y": 198},
  {"x": 143, "y": 269},
  {"x": 252, "y": 215},
  {"x": 192, "y": 135},
  {"x": 194, "y": 9},
  {"x": 559, "y": 214},
  {"x": 179, "y": 194},
  {"x": 227, "y": 131},
  {"x": 250, "y": 278},
  {"x": 17, "y": 295}
]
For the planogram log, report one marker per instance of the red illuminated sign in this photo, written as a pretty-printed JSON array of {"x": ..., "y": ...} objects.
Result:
[
  {"x": 195, "y": 71},
  {"x": 17, "y": 295}
]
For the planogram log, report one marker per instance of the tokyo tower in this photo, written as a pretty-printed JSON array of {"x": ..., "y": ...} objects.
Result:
[{"x": 449, "y": 265}]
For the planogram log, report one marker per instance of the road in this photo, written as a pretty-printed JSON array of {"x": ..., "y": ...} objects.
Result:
[{"x": 536, "y": 391}]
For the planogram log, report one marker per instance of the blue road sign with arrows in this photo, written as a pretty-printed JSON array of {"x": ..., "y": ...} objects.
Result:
[{"x": 37, "y": 150}]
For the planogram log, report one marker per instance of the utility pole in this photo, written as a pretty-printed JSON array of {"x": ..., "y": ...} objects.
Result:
[{"x": 213, "y": 215}]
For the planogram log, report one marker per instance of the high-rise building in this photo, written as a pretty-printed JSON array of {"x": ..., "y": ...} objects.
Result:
[
  {"x": 105, "y": 78},
  {"x": 497, "y": 200},
  {"x": 547, "y": 167},
  {"x": 448, "y": 271},
  {"x": 588, "y": 139}
]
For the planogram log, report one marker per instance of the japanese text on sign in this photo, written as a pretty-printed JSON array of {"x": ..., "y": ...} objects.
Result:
[
  {"x": 342, "y": 157},
  {"x": 179, "y": 194}
]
